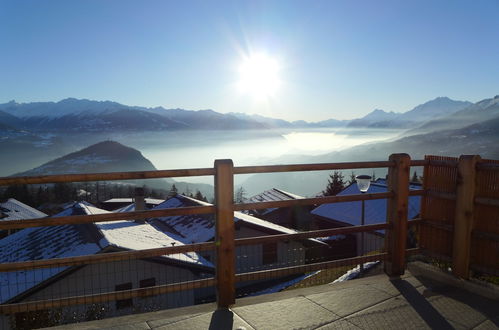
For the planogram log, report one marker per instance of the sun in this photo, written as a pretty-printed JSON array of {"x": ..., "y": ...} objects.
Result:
[{"x": 259, "y": 75}]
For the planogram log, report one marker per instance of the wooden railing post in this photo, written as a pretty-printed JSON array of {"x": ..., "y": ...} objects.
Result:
[
  {"x": 463, "y": 222},
  {"x": 224, "y": 238},
  {"x": 396, "y": 236}
]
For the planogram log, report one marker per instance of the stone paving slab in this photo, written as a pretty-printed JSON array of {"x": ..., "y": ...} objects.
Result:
[
  {"x": 293, "y": 313},
  {"x": 349, "y": 300},
  {"x": 222, "y": 319},
  {"x": 368, "y": 303},
  {"x": 340, "y": 324},
  {"x": 394, "y": 313}
]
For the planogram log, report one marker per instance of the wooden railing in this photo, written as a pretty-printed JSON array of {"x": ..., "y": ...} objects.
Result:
[{"x": 394, "y": 256}]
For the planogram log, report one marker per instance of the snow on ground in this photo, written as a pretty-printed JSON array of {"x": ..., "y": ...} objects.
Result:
[
  {"x": 355, "y": 272},
  {"x": 281, "y": 286}
]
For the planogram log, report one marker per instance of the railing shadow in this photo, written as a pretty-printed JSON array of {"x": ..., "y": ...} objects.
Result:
[
  {"x": 222, "y": 319},
  {"x": 425, "y": 310}
]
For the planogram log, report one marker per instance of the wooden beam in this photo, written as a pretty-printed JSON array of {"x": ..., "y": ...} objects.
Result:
[
  {"x": 463, "y": 222},
  {"x": 310, "y": 167},
  {"x": 310, "y": 201},
  {"x": 224, "y": 239},
  {"x": 157, "y": 174},
  {"x": 78, "y": 219},
  {"x": 398, "y": 183}
]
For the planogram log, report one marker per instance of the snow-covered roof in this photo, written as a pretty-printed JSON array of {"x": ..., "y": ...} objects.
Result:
[
  {"x": 271, "y": 195},
  {"x": 375, "y": 210},
  {"x": 13, "y": 209},
  {"x": 76, "y": 240},
  {"x": 199, "y": 228},
  {"x": 152, "y": 201}
]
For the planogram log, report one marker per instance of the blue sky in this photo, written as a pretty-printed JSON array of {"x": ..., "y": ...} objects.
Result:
[{"x": 338, "y": 59}]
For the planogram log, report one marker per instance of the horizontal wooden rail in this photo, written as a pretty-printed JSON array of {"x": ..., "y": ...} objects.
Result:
[
  {"x": 440, "y": 194},
  {"x": 104, "y": 297},
  {"x": 487, "y": 201},
  {"x": 442, "y": 163},
  {"x": 270, "y": 273},
  {"x": 158, "y": 174},
  {"x": 310, "y": 234},
  {"x": 111, "y": 176},
  {"x": 310, "y": 167},
  {"x": 78, "y": 219},
  {"x": 310, "y": 201},
  {"x": 419, "y": 162},
  {"x": 487, "y": 166},
  {"x": 105, "y": 257},
  {"x": 417, "y": 192}
]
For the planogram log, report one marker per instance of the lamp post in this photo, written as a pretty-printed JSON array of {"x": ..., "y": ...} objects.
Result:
[{"x": 363, "y": 183}]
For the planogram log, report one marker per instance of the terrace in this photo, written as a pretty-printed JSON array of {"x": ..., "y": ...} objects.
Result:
[{"x": 457, "y": 228}]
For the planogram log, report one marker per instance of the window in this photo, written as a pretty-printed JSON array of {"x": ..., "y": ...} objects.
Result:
[
  {"x": 269, "y": 253},
  {"x": 147, "y": 282},
  {"x": 124, "y": 303}
]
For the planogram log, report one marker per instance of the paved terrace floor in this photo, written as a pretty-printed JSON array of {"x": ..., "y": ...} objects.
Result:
[{"x": 421, "y": 299}]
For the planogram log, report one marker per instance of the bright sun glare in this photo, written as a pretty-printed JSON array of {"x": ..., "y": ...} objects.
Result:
[{"x": 259, "y": 75}]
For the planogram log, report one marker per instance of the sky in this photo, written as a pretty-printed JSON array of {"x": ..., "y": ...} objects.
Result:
[{"x": 331, "y": 59}]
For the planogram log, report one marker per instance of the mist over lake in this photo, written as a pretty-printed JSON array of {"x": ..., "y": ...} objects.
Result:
[{"x": 192, "y": 149}]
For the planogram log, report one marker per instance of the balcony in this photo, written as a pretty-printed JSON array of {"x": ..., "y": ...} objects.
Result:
[{"x": 456, "y": 229}]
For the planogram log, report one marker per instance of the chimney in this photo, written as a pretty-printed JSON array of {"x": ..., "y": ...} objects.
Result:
[{"x": 140, "y": 203}]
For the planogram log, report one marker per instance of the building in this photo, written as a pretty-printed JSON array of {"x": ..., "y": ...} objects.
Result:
[
  {"x": 350, "y": 214},
  {"x": 12, "y": 209},
  {"x": 118, "y": 203},
  {"x": 296, "y": 217},
  {"x": 86, "y": 239},
  {"x": 201, "y": 228}
]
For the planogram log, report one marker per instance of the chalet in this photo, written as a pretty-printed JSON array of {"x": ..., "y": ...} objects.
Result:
[
  {"x": 118, "y": 203},
  {"x": 201, "y": 228},
  {"x": 12, "y": 209},
  {"x": 350, "y": 214},
  {"x": 297, "y": 217},
  {"x": 84, "y": 239}
]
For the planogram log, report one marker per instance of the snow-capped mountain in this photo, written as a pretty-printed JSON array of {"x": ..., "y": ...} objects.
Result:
[
  {"x": 436, "y": 108},
  {"x": 86, "y": 115},
  {"x": 376, "y": 116},
  {"x": 486, "y": 109}
]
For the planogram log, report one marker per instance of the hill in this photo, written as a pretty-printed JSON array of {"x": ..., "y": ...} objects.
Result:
[{"x": 110, "y": 156}]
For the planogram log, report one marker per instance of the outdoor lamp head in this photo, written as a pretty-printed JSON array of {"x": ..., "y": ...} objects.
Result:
[{"x": 363, "y": 182}]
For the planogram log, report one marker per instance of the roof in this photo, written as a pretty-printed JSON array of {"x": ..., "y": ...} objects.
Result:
[
  {"x": 271, "y": 195},
  {"x": 375, "y": 210},
  {"x": 200, "y": 228},
  {"x": 13, "y": 209},
  {"x": 152, "y": 201},
  {"x": 76, "y": 240}
]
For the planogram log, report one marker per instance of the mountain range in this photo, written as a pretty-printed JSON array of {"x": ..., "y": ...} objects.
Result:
[
  {"x": 423, "y": 113},
  {"x": 74, "y": 115},
  {"x": 473, "y": 130}
]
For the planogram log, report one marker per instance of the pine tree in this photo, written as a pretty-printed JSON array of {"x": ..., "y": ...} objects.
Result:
[
  {"x": 352, "y": 178},
  {"x": 335, "y": 184},
  {"x": 173, "y": 191},
  {"x": 199, "y": 196},
  {"x": 415, "y": 177},
  {"x": 240, "y": 195}
]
